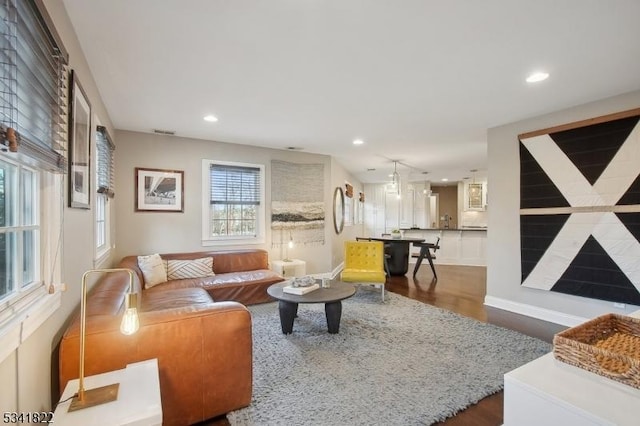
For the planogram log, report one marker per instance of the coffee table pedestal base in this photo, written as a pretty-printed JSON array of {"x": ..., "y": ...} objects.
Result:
[{"x": 289, "y": 310}]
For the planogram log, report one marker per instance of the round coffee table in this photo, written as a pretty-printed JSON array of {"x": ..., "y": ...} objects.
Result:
[{"x": 331, "y": 297}]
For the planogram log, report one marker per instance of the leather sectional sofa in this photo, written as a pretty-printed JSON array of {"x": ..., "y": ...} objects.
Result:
[{"x": 197, "y": 328}]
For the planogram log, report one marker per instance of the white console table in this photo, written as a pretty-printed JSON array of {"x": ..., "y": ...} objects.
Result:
[
  {"x": 552, "y": 393},
  {"x": 138, "y": 402}
]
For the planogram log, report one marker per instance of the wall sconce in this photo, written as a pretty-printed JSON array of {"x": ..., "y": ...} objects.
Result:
[{"x": 129, "y": 325}]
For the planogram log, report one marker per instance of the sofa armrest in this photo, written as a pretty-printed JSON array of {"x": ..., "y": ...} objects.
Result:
[{"x": 204, "y": 356}]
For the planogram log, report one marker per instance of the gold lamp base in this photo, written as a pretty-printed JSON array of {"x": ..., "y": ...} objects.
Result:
[{"x": 97, "y": 396}]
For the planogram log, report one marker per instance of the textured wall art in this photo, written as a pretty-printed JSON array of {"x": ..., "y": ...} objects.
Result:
[
  {"x": 297, "y": 203},
  {"x": 580, "y": 208}
]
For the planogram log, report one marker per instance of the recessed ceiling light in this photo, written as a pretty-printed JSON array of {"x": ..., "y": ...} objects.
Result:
[
  {"x": 210, "y": 118},
  {"x": 537, "y": 76},
  {"x": 358, "y": 142},
  {"x": 445, "y": 180}
]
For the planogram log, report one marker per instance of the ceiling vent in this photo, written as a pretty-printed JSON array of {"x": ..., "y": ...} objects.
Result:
[{"x": 164, "y": 132}]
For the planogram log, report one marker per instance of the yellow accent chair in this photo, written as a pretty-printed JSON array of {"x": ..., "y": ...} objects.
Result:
[{"x": 364, "y": 263}]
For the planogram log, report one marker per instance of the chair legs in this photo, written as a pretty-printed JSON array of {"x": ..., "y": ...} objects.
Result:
[
  {"x": 424, "y": 252},
  {"x": 375, "y": 285}
]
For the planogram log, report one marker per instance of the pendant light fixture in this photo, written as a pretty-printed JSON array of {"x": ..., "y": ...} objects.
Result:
[
  {"x": 425, "y": 191},
  {"x": 396, "y": 178}
]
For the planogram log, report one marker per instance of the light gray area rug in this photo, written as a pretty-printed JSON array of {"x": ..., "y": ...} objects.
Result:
[{"x": 400, "y": 362}]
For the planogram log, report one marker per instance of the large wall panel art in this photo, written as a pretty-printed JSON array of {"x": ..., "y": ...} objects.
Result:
[
  {"x": 580, "y": 208},
  {"x": 297, "y": 203}
]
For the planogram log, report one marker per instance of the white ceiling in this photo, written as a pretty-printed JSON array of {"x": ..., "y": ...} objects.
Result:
[{"x": 419, "y": 81}]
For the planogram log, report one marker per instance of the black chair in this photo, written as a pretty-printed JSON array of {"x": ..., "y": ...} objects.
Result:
[
  {"x": 425, "y": 251},
  {"x": 387, "y": 254}
]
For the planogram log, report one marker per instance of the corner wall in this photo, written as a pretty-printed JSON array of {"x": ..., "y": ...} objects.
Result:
[{"x": 503, "y": 261}]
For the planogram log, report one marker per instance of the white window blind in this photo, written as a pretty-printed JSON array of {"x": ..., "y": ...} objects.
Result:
[{"x": 234, "y": 198}]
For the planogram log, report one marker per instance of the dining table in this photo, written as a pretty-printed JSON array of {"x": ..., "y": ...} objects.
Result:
[{"x": 398, "y": 250}]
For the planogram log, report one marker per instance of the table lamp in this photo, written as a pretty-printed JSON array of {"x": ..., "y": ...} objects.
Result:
[
  {"x": 91, "y": 397},
  {"x": 289, "y": 246}
]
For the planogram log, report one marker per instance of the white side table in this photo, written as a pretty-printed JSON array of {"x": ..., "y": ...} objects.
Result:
[
  {"x": 552, "y": 393},
  {"x": 138, "y": 402},
  {"x": 290, "y": 268}
]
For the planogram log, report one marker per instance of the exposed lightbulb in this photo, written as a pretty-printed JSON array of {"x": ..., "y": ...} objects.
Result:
[
  {"x": 290, "y": 243},
  {"x": 130, "y": 323}
]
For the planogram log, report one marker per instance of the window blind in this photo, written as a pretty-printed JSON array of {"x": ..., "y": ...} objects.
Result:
[
  {"x": 33, "y": 87},
  {"x": 104, "y": 169},
  {"x": 234, "y": 185}
]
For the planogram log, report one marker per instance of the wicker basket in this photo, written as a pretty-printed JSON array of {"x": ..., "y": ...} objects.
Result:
[{"x": 608, "y": 345}]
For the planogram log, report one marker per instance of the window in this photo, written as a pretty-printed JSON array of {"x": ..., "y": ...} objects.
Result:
[
  {"x": 33, "y": 135},
  {"x": 19, "y": 228},
  {"x": 104, "y": 179},
  {"x": 233, "y": 203}
]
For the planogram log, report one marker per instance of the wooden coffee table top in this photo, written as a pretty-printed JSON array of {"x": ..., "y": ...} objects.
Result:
[{"x": 338, "y": 291}]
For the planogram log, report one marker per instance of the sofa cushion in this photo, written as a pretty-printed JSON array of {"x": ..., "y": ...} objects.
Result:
[
  {"x": 153, "y": 270},
  {"x": 196, "y": 268},
  {"x": 175, "y": 298}
]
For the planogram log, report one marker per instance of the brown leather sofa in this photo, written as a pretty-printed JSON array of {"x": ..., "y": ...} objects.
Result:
[{"x": 198, "y": 329}]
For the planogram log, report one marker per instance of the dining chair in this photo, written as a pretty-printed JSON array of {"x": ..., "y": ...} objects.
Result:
[
  {"x": 364, "y": 264},
  {"x": 427, "y": 250}
]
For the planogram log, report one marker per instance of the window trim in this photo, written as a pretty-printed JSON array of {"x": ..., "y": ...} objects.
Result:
[
  {"x": 28, "y": 306},
  {"x": 103, "y": 252},
  {"x": 24, "y": 310},
  {"x": 207, "y": 240}
]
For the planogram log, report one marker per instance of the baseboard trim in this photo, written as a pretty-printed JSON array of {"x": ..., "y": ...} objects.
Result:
[
  {"x": 337, "y": 270},
  {"x": 534, "y": 311}
]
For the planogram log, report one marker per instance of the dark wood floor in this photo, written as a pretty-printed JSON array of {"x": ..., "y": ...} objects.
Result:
[{"x": 460, "y": 289}]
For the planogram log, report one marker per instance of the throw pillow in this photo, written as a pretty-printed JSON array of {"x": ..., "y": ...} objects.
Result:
[
  {"x": 197, "y": 268},
  {"x": 153, "y": 270}
]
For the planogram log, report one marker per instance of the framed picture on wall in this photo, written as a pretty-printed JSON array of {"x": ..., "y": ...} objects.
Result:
[
  {"x": 158, "y": 190},
  {"x": 79, "y": 145}
]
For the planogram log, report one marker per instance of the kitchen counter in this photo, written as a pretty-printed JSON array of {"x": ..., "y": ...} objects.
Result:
[
  {"x": 464, "y": 228},
  {"x": 458, "y": 246}
]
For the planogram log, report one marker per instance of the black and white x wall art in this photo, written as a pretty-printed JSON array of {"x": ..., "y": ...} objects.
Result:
[{"x": 580, "y": 208}]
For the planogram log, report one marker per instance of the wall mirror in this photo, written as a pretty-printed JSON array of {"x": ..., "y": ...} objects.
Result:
[{"x": 338, "y": 210}]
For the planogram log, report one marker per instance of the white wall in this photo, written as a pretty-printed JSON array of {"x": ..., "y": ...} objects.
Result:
[
  {"x": 26, "y": 375},
  {"x": 503, "y": 262},
  {"x": 338, "y": 178},
  {"x": 152, "y": 232}
]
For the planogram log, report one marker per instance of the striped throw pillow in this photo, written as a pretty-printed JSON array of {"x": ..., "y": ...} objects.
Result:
[{"x": 196, "y": 268}]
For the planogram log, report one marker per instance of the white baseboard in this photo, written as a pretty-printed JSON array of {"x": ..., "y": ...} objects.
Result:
[
  {"x": 331, "y": 275},
  {"x": 336, "y": 271},
  {"x": 534, "y": 311}
]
